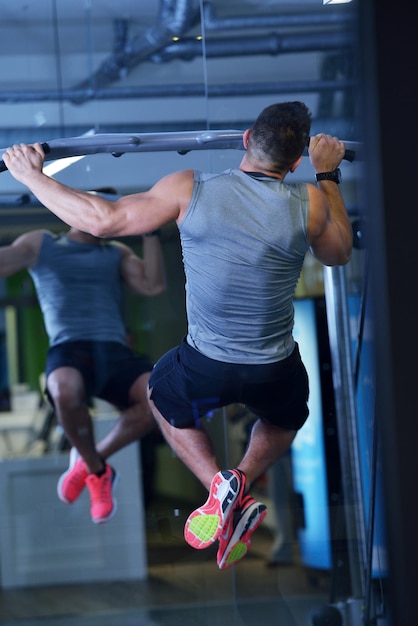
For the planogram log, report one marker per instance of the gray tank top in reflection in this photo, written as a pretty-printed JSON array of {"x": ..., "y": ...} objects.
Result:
[
  {"x": 79, "y": 290},
  {"x": 244, "y": 240}
]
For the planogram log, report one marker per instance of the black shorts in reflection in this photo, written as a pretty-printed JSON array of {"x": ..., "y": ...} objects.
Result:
[{"x": 108, "y": 368}]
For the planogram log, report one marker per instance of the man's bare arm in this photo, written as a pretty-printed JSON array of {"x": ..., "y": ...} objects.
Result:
[
  {"x": 130, "y": 215},
  {"x": 144, "y": 276},
  {"x": 329, "y": 230},
  {"x": 21, "y": 254}
]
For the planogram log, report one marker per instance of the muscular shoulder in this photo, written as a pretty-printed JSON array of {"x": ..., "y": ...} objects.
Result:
[{"x": 178, "y": 186}]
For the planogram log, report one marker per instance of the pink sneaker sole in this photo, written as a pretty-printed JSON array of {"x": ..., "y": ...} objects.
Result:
[{"x": 204, "y": 525}]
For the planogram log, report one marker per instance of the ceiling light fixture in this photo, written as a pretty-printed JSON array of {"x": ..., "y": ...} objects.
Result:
[{"x": 336, "y": 1}]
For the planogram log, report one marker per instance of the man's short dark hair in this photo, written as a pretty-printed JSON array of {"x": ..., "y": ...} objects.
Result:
[{"x": 280, "y": 134}]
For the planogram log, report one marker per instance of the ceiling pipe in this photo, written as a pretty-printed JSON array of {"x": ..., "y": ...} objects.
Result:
[
  {"x": 176, "y": 17},
  {"x": 176, "y": 91},
  {"x": 335, "y": 66},
  {"x": 120, "y": 29},
  {"x": 272, "y": 44},
  {"x": 319, "y": 18}
]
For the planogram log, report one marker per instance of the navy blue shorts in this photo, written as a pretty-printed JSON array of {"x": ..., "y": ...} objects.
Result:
[
  {"x": 108, "y": 368},
  {"x": 186, "y": 385}
]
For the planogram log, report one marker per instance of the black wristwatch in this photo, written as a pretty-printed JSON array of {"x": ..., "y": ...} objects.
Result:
[{"x": 335, "y": 176}]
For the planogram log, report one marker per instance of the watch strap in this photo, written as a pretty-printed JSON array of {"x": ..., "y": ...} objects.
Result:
[{"x": 335, "y": 176}]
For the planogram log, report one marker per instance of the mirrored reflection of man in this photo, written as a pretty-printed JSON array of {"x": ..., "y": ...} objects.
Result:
[{"x": 79, "y": 281}]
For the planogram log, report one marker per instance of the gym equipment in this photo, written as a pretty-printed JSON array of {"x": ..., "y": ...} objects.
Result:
[
  {"x": 347, "y": 358},
  {"x": 182, "y": 142}
]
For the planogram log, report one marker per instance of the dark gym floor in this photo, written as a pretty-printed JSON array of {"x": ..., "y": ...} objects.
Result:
[{"x": 184, "y": 587}]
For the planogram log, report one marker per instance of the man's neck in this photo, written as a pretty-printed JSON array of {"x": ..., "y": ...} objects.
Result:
[
  {"x": 261, "y": 175},
  {"x": 251, "y": 167}
]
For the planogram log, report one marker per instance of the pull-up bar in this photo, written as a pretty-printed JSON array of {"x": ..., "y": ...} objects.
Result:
[{"x": 118, "y": 144}]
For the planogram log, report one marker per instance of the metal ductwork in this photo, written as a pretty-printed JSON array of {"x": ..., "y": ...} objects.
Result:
[
  {"x": 176, "y": 17},
  {"x": 271, "y": 44},
  {"x": 339, "y": 18},
  {"x": 177, "y": 91}
]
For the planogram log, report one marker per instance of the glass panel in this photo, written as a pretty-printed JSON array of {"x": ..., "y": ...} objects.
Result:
[{"x": 138, "y": 68}]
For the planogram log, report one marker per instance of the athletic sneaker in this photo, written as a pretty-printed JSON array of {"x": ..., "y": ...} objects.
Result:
[
  {"x": 204, "y": 525},
  {"x": 102, "y": 503},
  {"x": 235, "y": 538},
  {"x": 72, "y": 482}
]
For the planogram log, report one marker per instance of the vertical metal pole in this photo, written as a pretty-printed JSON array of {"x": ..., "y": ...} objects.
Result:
[{"x": 342, "y": 371}]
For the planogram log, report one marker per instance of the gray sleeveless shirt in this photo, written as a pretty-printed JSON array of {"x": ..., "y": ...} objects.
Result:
[
  {"x": 79, "y": 290},
  {"x": 244, "y": 240}
]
